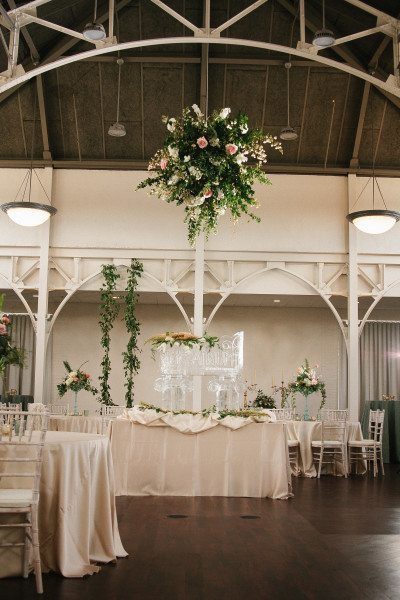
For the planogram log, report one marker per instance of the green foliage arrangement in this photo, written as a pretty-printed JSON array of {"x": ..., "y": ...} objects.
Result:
[
  {"x": 76, "y": 380},
  {"x": 109, "y": 310},
  {"x": 182, "y": 338},
  {"x": 9, "y": 354},
  {"x": 130, "y": 357},
  {"x": 203, "y": 165},
  {"x": 263, "y": 400}
]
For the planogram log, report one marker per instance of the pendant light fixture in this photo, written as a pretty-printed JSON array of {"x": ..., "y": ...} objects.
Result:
[
  {"x": 323, "y": 38},
  {"x": 94, "y": 32},
  {"x": 288, "y": 133},
  {"x": 27, "y": 213},
  {"x": 117, "y": 129},
  {"x": 373, "y": 221}
]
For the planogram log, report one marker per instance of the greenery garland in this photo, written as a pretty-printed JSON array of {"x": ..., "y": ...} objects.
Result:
[
  {"x": 109, "y": 310},
  {"x": 130, "y": 357},
  {"x": 243, "y": 413}
]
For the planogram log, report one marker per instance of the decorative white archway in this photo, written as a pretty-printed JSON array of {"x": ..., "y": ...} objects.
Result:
[{"x": 21, "y": 297}]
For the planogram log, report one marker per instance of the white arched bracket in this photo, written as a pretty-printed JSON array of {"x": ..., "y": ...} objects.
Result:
[
  {"x": 290, "y": 273},
  {"x": 391, "y": 86},
  {"x": 378, "y": 297},
  {"x": 21, "y": 297}
]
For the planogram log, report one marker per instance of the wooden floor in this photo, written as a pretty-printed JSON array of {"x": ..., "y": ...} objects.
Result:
[{"x": 337, "y": 539}]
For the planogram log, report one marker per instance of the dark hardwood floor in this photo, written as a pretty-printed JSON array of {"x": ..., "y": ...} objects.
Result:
[{"x": 336, "y": 539}]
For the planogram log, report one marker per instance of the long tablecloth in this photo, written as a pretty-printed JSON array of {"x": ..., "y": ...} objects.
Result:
[
  {"x": 391, "y": 427},
  {"x": 77, "y": 516},
  {"x": 79, "y": 424},
  {"x": 308, "y": 431},
  {"x": 161, "y": 461}
]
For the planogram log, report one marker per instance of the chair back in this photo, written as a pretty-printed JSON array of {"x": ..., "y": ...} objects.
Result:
[
  {"x": 376, "y": 422},
  {"x": 21, "y": 448},
  {"x": 15, "y": 406},
  {"x": 282, "y": 414},
  {"x": 3, "y": 405},
  {"x": 326, "y": 414},
  {"x": 57, "y": 409},
  {"x": 112, "y": 411}
]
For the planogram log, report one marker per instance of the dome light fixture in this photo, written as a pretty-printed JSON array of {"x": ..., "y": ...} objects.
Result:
[
  {"x": 28, "y": 214},
  {"x": 374, "y": 221},
  {"x": 94, "y": 32},
  {"x": 117, "y": 129},
  {"x": 288, "y": 133},
  {"x": 323, "y": 38}
]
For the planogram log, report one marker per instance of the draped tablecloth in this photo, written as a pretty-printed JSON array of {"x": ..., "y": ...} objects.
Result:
[
  {"x": 391, "y": 427},
  {"x": 306, "y": 432},
  {"x": 74, "y": 423},
  {"x": 77, "y": 516},
  {"x": 162, "y": 461}
]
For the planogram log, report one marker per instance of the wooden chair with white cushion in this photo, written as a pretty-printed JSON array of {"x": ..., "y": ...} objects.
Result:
[
  {"x": 21, "y": 455},
  {"x": 332, "y": 447},
  {"x": 57, "y": 409},
  {"x": 370, "y": 449}
]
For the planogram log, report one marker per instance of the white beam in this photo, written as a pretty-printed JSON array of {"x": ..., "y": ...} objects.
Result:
[
  {"x": 352, "y": 310},
  {"x": 360, "y": 34},
  {"x": 65, "y": 60},
  {"x": 238, "y": 17},
  {"x": 302, "y": 23},
  {"x": 31, "y": 19},
  {"x": 379, "y": 14},
  {"x": 176, "y": 16},
  {"x": 111, "y": 9}
]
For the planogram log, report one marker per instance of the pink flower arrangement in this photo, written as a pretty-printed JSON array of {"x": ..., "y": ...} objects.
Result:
[
  {"x": 3, "y": 329},
  {"x": 202, "y": 142},
  {"x": 163, "y": 164},
  {"x": 231, "y": 149},
  {"x": 5, "y": 319}
]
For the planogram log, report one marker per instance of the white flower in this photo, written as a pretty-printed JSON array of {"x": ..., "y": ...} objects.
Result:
[
  {"x": 68, "y": 382},
  {"x": 72, "y": 374},
  {"x": 171, "y": 124},
  {"x": 197, "y": 110},
  {"x": 225, "y": 112},
  {"x": 173, "y": 180},
  {"x": 195, "y": 172},
  {"x": 186, "y": 158},
  {"x": 241, "y": 158},
  {"x": 168, "y": 338},
  {"x": 214, "y": 142},
  {"x": 243, "y": 128},
  {"x": 173, "y": 152}
]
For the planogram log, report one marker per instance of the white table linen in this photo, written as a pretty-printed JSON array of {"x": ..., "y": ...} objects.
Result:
[
  {"x": 251, "y": 461},
  {"x": 306, "y": 432},
  {"x": 79, "y": 424},
  {"x": 77, "y": 515}
]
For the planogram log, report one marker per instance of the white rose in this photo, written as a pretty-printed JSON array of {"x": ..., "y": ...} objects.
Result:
[
  {"x": 171, "y": 125},
  {"x": 197, "y": 110},
  {"x": 241, "y": 158},
  {"x": 243, "y": 128},
  {"x": 173, "y": 180},
  {"x": 186, "y": 159},
  {"x": 225, "y": 112},
  {"x": 72, "y": 374},
  {"x": 173, "y": 152},
  {"x": 68, "y": 382}
]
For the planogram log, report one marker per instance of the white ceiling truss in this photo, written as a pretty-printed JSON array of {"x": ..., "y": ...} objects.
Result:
[{"x": 18, "y": 18}]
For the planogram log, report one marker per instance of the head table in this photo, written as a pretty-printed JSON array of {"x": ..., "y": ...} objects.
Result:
[
  {"x": 158, "y": 459},
  {"x": 80, "y": 424},
  {"x": 77, "y": 516}
]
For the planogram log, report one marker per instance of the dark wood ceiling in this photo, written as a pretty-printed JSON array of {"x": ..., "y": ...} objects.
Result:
[{"x": 325, "y": 103}]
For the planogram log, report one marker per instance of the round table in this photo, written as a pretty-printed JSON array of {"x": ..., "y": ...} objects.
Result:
[
  {"x": 77, "y": 515},
  {"x": 306, "y": 432},
  {"x": 78, "y": 424}
]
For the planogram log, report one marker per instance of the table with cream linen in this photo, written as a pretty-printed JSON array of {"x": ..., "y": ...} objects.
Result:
[
  {"x": 77, "y": 515},
  {"x": 161, "y": 461},
  {"x": 80, "y": 424},
  {"x": 306, "y": 432}
]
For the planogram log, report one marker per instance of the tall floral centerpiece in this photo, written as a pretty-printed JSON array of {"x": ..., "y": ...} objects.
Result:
[
  {"x": 209, "y": 166},
  {"x": 75, "y": 381},
  {"x": 9, "y": 354},
  {"x": 308, "y": 382}
]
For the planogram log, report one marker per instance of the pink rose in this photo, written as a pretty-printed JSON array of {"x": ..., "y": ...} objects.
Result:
[
  {"x": 207, "y": 194},
  {"x": 314, "y": 382},
  {"x": 231, "y": 148},
  {"x": 3, "y": 329},
  {"x": 6, "y": 320},
  {"x": 202, "y": 142},
  {"x": 163, "y": 164}
]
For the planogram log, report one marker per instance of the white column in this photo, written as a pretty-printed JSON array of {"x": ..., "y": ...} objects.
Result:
[
  {"x": 46, "y": 177},
  {"x": 198, "y": 311},
  {"x": 352, "y": 311}
]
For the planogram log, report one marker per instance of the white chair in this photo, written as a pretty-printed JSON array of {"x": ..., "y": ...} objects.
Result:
[
  {"x": 332, "y": 447},
  {"x": 14, "y": 406},
  {"x": 112, "y": 411},
  {"x": 3, "y": 405},
  {"x": 20, "y": 447},
  {"x": 370, "y": 450},
  {"x": 57, "y": 409},
  {"x": 294, "y": 454},
  {"x": 282, "y": 414}
]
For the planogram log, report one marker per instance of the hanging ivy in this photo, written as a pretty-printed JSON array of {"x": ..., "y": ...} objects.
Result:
[
  {"x": 109, "y": 310},
  {"x": 130, "y": 357}
]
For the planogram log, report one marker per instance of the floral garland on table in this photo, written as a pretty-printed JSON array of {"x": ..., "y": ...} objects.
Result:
[
  {"x": 9, "y": 354},
  {"x": 130, "y": 356},
  {"x": 182, "y": 338},
  {"x": 308, "y": 382},
  {"x": 242, "y": 413},
  {"x": 75, "y": 381},
  {"x": 202, "y": 165}
]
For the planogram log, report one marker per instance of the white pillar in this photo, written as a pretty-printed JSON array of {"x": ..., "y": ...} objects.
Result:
[
  {"x": 198, "y": 311},
  {"x": 352, "y": 311},
  {"x": 46, "y": 177}
]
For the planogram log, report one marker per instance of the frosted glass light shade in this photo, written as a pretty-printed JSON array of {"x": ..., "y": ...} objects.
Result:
[
  {"x": 324, "y": 38},
  {"x": 117, "y": 130},
  {"x": 374, "y": 221},
  {"x": 94, "y": 32},
  {"x": 28, "y": 214}
]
